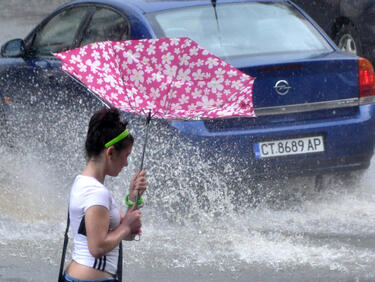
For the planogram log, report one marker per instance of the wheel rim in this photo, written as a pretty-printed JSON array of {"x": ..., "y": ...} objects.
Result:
[{"x": 347, "y": 43}]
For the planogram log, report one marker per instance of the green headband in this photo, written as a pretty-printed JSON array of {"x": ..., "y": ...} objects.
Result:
[{"x": 117, "y": 139}]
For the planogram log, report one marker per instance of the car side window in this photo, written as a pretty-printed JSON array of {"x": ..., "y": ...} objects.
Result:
[
  {"x": 59, "y": 33},
  {"x": 106, "y": 25}
]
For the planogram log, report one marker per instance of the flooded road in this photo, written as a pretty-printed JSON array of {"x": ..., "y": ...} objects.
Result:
[{"x": 293, "y": 233}]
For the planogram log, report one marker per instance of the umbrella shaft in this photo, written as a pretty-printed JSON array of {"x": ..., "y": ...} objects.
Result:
[
  {"x": 144, "y": 146},
  {"x": 143, "y": 153},
  {"x": 141, "y": 166}
]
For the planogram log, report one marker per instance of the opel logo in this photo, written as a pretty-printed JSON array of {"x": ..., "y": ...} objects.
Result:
[{"x": 282, "y": 87}]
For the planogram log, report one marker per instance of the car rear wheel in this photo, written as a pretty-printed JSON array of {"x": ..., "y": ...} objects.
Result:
[{"x": 347, "y": 39}]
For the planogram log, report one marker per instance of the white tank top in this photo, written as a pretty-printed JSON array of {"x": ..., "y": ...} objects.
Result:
[{"x": 87, "y": 192}]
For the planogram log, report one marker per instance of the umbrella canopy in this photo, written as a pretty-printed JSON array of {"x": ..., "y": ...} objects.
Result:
[{"x": 174, "y": 78}]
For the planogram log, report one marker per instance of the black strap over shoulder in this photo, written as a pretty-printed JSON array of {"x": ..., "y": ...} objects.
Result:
[
  {"x": 82, "y": 230},
  {"x": 66, "y": 239},
  {"x": 82, "y": 227},
  {"x": 119, "y": 264}
]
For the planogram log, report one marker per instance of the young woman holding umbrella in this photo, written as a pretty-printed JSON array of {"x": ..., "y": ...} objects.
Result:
[{"x": 97, "y": 223}]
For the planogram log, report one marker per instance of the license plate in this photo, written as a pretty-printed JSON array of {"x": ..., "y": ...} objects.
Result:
[{"x": 286, "y": 147}]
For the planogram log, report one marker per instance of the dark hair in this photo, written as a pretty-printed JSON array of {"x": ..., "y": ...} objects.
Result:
[{"x": 105, "y": 125}]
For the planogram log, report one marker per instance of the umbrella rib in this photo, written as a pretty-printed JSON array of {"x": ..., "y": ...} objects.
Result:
[{"x": 100, "y": 98}]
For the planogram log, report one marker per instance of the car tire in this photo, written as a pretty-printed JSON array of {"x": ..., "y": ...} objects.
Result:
[{"x": 347, "y": 39}]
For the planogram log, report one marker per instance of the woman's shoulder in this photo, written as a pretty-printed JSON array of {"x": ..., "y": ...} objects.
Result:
[
  {"x": 89, "y": 191},
  {"x": 86, "y": 188},
  {"x": 86, "y": 183}
]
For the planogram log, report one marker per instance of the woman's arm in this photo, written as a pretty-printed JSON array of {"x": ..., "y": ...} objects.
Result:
[{"x": 100, "y": 241}]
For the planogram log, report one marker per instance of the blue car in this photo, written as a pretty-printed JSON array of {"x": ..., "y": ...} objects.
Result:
[{"x": 314, "y": 103}]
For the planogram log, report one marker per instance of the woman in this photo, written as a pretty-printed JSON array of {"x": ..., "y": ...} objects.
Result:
[{"x": 97, "y": 223}]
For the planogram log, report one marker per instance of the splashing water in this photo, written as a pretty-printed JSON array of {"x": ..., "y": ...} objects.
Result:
[
  {"x": 192, "y": 218},
  {"x": 218, "y": 223}
]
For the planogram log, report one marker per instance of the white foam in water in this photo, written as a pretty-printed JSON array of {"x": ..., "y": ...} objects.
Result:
[
  {"x": 316, "y": 230},
  {"x": 190, "y": 217}
]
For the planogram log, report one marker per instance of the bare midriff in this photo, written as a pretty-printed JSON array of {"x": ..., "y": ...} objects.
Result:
[{"x": 84, "y": 272}]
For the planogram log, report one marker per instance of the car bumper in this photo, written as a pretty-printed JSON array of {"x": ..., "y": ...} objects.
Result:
[{"x": 349, "y": 144}]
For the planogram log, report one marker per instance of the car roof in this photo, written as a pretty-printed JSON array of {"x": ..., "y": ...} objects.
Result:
[{"x": 150, "y": 6}]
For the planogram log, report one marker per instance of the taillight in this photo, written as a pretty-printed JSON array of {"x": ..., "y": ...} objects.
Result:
[{"x": 366, "y": 78}]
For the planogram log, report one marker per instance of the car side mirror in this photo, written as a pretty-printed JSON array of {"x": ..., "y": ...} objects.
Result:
[{"x": 13, "y": 48}]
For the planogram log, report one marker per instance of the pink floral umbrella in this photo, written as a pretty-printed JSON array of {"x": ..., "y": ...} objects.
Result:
[{"x": 172, "y": 78}]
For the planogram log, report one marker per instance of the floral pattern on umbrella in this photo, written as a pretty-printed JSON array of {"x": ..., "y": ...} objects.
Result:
[{"x": 175, "y": 78}]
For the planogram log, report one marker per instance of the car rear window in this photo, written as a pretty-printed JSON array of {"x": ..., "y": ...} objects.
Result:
[{"x": 242, "y": 29}]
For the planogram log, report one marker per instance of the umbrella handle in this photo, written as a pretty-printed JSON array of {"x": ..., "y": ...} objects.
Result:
[{"x": 138, "y": 235}]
